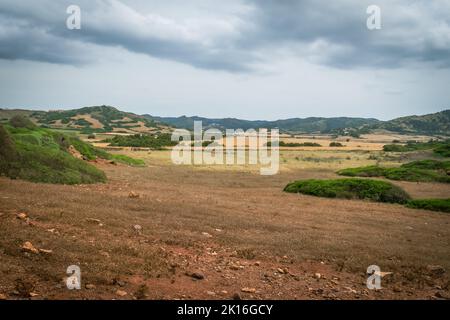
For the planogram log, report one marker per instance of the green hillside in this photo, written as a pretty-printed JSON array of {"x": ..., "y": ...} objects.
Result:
[{"x": 43, "y": 155}]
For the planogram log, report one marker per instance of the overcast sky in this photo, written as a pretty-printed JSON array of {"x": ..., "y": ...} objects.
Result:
[{"x": 251, "y": 59}]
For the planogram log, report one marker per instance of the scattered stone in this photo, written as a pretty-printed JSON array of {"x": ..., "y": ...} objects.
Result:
[
  {"x": 218, "y": 230},
  {"x": 210, "y": 293},
  {"x": 90, "y": 286},
  {"x": 33, "y": 294},
  {"x": 22, "y": 216},
  {"x": 280, "y": 271},
  {"x": 334, "y": 281},
  {"x": 206, "y": 234},
  {"x": 28, "y": 247},
  {"x": 224, "y": 292},
  {"x": 257, "y": 263},
  {"x": 121, "y": 293},
  {"x": 317, "y": 275},
  {"x": 248, "y": 290},
  {"x": 92, "y": 220},
  {"x": 350, "y": 290},
  {"x": 133, "y": 195},
  {"x": 137, "y": 228},
  {"x": 196, "y": 275},
  {"x": 397, "y": 289},
  {"x": 45, "y": 251},
  {"x": 234, "y": 267},
  {"x": 3, "y": 297}
]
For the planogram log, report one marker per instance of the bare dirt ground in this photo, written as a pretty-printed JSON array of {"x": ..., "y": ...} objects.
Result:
[{"x": 189, "y": 233}]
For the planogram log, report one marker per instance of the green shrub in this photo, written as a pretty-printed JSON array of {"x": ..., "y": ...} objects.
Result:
[
  {"x": 369, "y": 171},
  {"x": 418, "y": 171},
  {"x": 336, "y": 144},
  {"x": 374, "y": 190},
  {"x": 442, "y": 205}
]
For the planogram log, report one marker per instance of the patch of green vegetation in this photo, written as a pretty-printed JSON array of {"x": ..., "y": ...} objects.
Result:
[
  {"x": 441, "y": 148},
  {"x": 143, "y": 141},
  {"x": 127, "y": 160},
  {"x": 336, "y": 144},
  {"x": 36, "y": 156},
  {"x": 296, "y": 144},
  {"x": 374, "y": 190},
  {"x": 418, "y": 171},
  {"x": 442, "y": 205},
  {"x": 42, "y": 155}
]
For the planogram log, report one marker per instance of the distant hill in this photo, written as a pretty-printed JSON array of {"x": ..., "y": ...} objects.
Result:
[
  {"x": 434, "y": 123},
  {"x": 305, "y": 125},
  {"x": 88, "y": 119},
  {"x": 110, "y": 119}
]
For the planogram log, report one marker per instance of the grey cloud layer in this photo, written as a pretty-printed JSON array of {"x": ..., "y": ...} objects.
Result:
[{"x": 241, "y": 40}]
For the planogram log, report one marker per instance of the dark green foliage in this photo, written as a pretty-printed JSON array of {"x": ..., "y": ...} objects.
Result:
[
  {"x": 127, "y": 160},
  {"x": 442, "y": 205},
  {"x": 439, "y": 147},
  {"x": 295, "y": 144},
  {"x": 143, "y": 141},
  {"x": 336, "y": 144},
  {"x": 374, "y": 190},
  {"x": 443, "y": 150},
  {"x": 423, "y": 171}
]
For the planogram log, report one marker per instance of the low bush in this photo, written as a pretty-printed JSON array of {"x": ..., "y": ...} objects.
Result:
[
  {"x": 442, "y": 205},
  {"x": 374, "y": 190}
]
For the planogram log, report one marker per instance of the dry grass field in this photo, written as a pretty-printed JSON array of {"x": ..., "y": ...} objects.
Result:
[{"x": 229, "y": 226}]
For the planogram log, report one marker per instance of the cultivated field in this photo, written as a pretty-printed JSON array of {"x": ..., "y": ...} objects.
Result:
[{"x": 221, "y": 232}]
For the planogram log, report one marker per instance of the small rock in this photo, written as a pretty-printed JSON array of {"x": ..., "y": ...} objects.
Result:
[
  {"x": 224, "y": 292},
  {"x": 280, "y": 271},
  {"x": 121, "y": 293},
  {"x": 257, "y": 263},
  {"x": 248, "y": 290},
  {"x": 206, "y": 234},
  {"x": 234, "y": 267},
  {"x": 210, "y": 293},
  {"x": 133, "y": 194},
  {"x": 137, "y": 228},
  {"x": 22, "y": 216},
  {"x": 218, "y": 230},
  {"x": 397, "y": 289},
  {"x": 196, "y": 275},
  {"x": 28, "y": 246},
  {"x": 3, "y": 297},
  {"x": 92, "y": 220},
  {"x": 441, "y": 295},
  {"x": 317, "y": 275},
  {"x": 33, "y": 294},
  {"x": 45, "y": 251},
  {"x": 90, "y": 286}
]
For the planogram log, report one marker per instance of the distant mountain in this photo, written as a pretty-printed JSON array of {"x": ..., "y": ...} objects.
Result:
[
  {"x": 434, "y": 123},
  {"x": 306, "y": 125}
]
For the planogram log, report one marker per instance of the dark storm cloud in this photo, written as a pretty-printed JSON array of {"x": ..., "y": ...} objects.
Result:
[{"x": 332, "y": 34}]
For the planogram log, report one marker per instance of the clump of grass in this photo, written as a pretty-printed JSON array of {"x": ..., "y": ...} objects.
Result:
[
  {"x": 295, "y": 144},
  {"x": 417, "y": 171},
  {"x": 374, "y": 190},
  {"x": 442, "y": 205}
]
